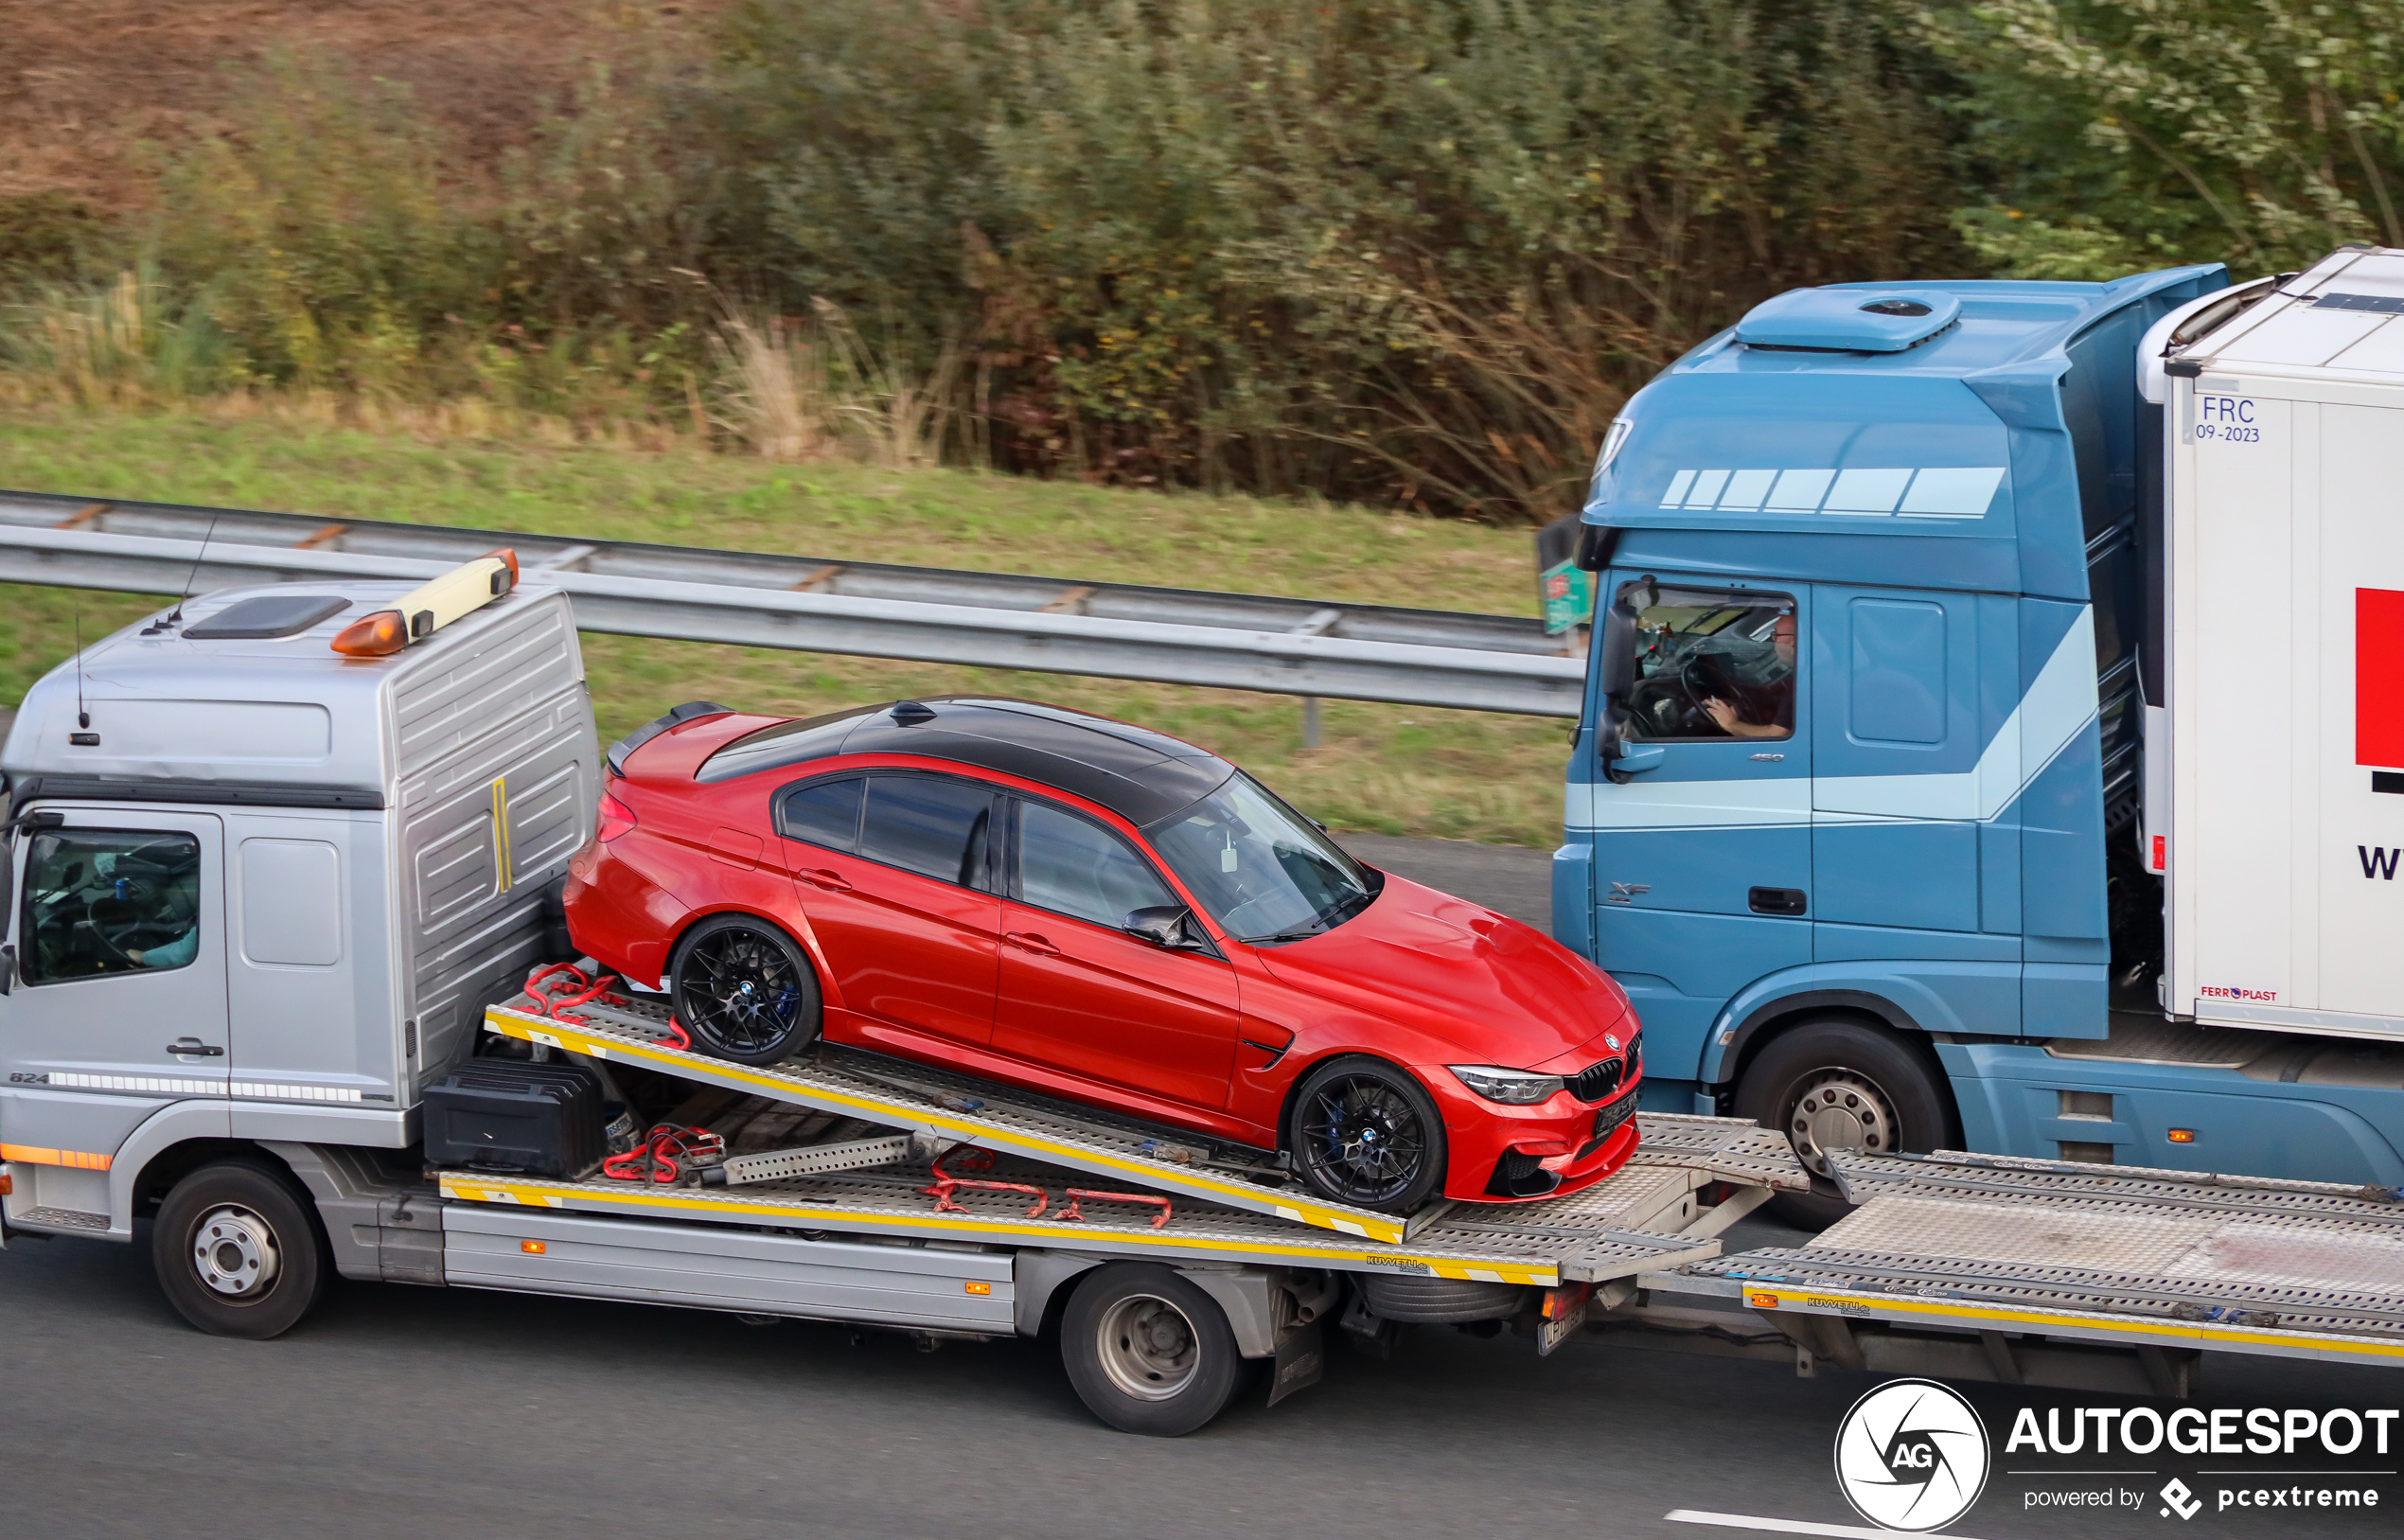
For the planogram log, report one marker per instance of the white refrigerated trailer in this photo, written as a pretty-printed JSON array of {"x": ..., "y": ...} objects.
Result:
[{"x": 262, "y": 896}]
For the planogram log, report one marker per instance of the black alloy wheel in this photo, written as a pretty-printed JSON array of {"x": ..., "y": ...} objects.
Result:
[
  {"x": 743, "y": 990},
  {"x": 1363, "y": 1133}
]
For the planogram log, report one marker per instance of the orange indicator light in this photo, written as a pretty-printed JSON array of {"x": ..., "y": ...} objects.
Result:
[
  {"x": 974, "y": 1287},
  {"x": 532, "y": 1249},
  {"x": 2182, "y": 1136}
]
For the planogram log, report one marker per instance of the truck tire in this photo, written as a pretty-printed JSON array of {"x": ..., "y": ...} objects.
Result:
[
  {"x": 1342, "y": 1111},
  {"x": 1834, "y": 1082},
  {"x": 1148, "y": 1351},
  {"x": 238, "y": 1252},
  {"x": 743, "y": 990}
]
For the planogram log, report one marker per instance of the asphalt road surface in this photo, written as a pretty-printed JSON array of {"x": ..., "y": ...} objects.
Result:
[{"x": 416, "y": 1413}]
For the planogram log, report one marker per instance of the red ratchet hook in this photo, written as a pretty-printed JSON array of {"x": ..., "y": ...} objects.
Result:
[{"x": 657, "y": 1159}]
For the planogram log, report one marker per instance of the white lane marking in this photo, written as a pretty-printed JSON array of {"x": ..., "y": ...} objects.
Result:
[{"x": 1789, "y": 1525}]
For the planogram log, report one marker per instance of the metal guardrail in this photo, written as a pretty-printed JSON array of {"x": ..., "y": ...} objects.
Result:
[{"x": 1117, "y": 631}]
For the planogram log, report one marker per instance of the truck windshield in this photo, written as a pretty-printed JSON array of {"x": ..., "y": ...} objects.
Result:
[
  {"x": 1710, "y": 663},
  {"x": 1264, "y": 872}
]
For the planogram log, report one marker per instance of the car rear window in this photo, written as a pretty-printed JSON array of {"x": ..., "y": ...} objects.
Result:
[
  {"x": 924, "y": 824},
  {"x": 824, "y": 813}
]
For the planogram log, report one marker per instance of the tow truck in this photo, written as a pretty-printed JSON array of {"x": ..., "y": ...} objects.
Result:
[{"x": 283, "y": 865}]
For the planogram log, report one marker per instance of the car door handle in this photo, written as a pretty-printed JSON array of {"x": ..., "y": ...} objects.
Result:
[
  {"x": 1029, "y": 942},
  {"x": 194, "y": 1048},
  {"x": 822, "y": 877},
  {"x": 1776, "y": 900}
]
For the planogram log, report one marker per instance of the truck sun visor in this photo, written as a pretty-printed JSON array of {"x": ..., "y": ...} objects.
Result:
[{"x": 430, "y": 607}]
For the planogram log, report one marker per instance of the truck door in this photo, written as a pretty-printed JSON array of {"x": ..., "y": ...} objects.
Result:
[
  {"x": 117, "y": 1002},
  {"x": 1895, "y": 797},
  {"x": 1702, "y": 822}
]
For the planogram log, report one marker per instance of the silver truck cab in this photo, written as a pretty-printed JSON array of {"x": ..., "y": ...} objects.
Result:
[{"x": 260, "y": 891}]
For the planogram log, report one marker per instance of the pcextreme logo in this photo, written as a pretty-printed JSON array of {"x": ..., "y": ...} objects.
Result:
[{"x": 1912, "y": 1455}]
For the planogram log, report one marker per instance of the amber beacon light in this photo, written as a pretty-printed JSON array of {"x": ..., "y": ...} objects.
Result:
[{"x": 430, "y": 607}]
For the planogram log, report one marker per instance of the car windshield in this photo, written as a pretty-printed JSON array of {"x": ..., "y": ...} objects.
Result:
[{"x": 1263, "y": 872}]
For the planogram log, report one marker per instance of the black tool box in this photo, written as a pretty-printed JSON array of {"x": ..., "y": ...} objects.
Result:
[{"x": 513, "y": 1115}]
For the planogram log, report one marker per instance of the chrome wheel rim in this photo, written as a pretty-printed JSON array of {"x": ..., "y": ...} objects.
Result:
[
  {"x": 1364, "y": 1140},
  {"x": 1148, "y": 1347},
  {"x": 1840, "y": 1110},
  {"x": 742, "y": 992},
  {"x": 234, "y": 1253}
]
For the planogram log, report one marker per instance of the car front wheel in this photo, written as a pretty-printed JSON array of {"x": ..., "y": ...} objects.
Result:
[{"x": 1363, "y": 1132}]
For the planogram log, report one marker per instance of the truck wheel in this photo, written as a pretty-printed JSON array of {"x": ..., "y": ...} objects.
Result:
[
  {"x": 1147, "y": 1350},
  {"x": 1365, "y": 1133},
  {"x": 743, "y": 990},
  {"x": 1841, "y": 1084},
  {"x": 237, "y": 1251}
]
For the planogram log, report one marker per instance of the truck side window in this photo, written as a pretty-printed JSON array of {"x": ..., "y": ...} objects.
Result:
[
  {"x": 935, "y": 827},
  {"x": 102, "y": 901},
  {"x": 1711, "y": 664}
]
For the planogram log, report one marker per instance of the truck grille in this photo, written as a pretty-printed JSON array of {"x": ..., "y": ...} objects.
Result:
[{"x": 1597, "y": 1081}]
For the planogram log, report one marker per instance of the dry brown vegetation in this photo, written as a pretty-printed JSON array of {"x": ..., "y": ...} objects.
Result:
[{"x": 83, "y": 85}]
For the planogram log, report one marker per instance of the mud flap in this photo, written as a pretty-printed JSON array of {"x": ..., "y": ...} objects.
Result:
[{"x": 1301, "y": 1357}]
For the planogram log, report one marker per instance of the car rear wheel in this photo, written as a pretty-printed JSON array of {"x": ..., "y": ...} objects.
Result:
[
  {"x": 1843, "y": 1085},
  {"x": 1363, "y": 1132},
  {"x": 1147, "y": 1350},
  {"x": 743, "y": 990},
  {"x": 237, "y": 1251}
]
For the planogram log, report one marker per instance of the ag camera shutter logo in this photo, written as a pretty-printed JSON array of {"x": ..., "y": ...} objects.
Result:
[{"x": 1912, "y": 1455}]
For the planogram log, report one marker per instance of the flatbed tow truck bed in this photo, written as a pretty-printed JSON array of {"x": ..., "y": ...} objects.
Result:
[{"x": 1969, "y": 1267}]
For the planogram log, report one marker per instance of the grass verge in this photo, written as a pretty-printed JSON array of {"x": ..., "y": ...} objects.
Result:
[{"x": 1392, "y": 769}]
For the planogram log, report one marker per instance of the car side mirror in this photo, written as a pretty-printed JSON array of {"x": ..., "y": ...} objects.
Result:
[{"x": 1164, "y": 925}]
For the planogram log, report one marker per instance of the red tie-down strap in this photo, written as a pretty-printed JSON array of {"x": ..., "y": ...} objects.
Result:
[
  {"x": 1077, "y": 1196},
  {"x": 552, "y": 989},
  {"x": 663, "y": 1153},
  {"x": 946, "y": 1184}
]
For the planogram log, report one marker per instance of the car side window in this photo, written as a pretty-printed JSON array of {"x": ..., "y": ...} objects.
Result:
[
  {"x": 938, "y": 828},
  {"x": 824, "y": 813},
  {"x": 1073, "y": 866},
  {"x": 1709, "y": 663},
  {"x": 102, "y": 901}
]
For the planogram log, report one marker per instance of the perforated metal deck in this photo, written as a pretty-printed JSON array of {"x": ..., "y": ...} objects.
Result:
[
  {"x": 956, "y": 1108},
  {"x": 2101, "y": 1253},
  {"x": 1620, "y": 1227}
]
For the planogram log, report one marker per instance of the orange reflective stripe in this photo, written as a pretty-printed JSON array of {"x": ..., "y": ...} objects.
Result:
[{"x": 32, "y": 1154}]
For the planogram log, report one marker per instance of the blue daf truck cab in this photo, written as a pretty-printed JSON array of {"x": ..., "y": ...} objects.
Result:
[{"x": 1854, "y": 809}]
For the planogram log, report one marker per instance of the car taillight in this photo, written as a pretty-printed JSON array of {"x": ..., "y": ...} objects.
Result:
[{"x": 616, "y": 816}]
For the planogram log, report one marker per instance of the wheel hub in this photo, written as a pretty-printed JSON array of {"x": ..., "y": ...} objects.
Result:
[
  {"x": 1839, "y": 1110},
  {"x": 1147, "y": 1347},
  {"x": 235, "y": 1252}
]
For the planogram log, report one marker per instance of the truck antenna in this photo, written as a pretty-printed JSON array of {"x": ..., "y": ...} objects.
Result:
[
  {"x": 82, "y": 717},
  {"x": 192, "y": 576}
]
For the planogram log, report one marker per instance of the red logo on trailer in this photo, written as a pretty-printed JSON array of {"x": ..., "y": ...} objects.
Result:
[{"x": 2378, "y": 677}]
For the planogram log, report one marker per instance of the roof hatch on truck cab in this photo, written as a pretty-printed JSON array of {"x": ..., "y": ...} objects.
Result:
[{"x": 1847, "y": 320}]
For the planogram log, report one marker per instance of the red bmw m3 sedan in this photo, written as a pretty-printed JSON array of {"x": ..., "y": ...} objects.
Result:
[{"x": 1109, "y": 915}]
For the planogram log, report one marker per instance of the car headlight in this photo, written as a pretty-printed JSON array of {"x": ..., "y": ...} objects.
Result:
[{"x": 1518, "y": 1087}]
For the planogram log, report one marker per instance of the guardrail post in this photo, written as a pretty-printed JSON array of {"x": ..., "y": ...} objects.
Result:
[{"x": 1310, "y": 721}]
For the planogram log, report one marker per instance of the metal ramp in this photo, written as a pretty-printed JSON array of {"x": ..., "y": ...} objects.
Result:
[
  {"x": 2100, "y": 1254},
  {"x": 1648, "y": 1217}
]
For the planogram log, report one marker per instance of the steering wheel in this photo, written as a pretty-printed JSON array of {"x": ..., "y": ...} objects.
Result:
[{"x": 114, "y": 921}]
